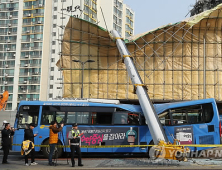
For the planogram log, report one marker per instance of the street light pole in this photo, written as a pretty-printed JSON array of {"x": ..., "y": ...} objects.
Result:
[{"x": 83, "y": 63}]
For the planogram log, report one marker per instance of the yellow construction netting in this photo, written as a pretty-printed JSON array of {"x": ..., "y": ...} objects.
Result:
[{"x": 180, "y": 61}]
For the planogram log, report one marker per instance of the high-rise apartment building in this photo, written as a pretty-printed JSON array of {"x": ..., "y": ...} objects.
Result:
[{"x": 30, "y": 41}]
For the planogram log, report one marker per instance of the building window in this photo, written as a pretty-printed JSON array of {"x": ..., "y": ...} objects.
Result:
[
  {"x": 52, "y": 68},
  {"x": 51, "y": 86},
  {"x": 53, "y": 51},
  {"x": 54, "y": 25},
  {"x": 55, "y": 8},
  {"x": 54, "y": 16},
  {"x": 54, "y": 33},
  {"x": 51, "y": 78},
  {"x": 53, "y": 43},
  {"x": 59, "y": 87},
  {"x": 50, "y": 95},
  {"x": 52, "y": 60}
]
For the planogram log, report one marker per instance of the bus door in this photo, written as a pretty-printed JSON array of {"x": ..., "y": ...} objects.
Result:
[{"x": 25, "y": 116}]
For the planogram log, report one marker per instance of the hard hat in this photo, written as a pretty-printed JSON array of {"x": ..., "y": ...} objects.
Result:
[{"x": 5, "y": 121}]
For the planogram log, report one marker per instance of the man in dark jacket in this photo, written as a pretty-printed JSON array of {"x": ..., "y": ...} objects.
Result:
[
  {"x": 7, "y": 132},
  {"x": 28, "y": 135}
]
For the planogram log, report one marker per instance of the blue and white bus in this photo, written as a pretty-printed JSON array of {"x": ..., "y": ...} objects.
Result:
[{"x": 111, "y": 123}]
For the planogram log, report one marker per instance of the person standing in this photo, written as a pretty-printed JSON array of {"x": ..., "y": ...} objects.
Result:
[
  {"x": 7, "y": 133},
  {"x": 28, "y": 135},
  {"x": 3, "y": 126},
  {"x": 75, "y": 144},
  {"x": 53, "y": 139}
]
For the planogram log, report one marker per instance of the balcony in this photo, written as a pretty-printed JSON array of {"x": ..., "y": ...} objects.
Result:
[
  {"x": 7, "y": 66},
  {"x": 38, "y": 39},
  {"x": 34, "y": 91},
  {"x": 6, "y": 82},
  {"x": 27, "y": 7},
  {"x": 38, "y": 14},
  {"x": 21, "y": 98},
  {"x": 34, "y": 82},
  {"x": 27, "y": 32},
  {"x": 23, "y": 82},
  {"x": 24, "y": 74},
  {"x": 25, "y": 65},
  {"x": 11, "y": 57},
  {"x": 34, "y": 73},
  {"x": 8, "y": 41},
  {"x": 36, "y": 56},
  {"x": 6, "y": 74},
  {"x": 25, "y": 48},
  {"x": 23, "y": 91},
  {"x": 37, "y": 48},
  {"x": 39, "y": 6},
  {"x": 9, "y": 1},
  {"x": 27, "y": 23},
  {"x": 25, "y": 57},
  {"x": 29, "y": 91},
  {"x": 35, "y": 65},
  {"x": 26, "y": 40},
  {"x": 39, "y": 22},
  {"x": 8, "y": 49},
  {"x": 38, "y": 31},
  {"x": 8, "y": 33}
]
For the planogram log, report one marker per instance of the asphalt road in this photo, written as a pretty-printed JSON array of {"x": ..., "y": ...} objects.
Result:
[{"x": 17, "y": 162}]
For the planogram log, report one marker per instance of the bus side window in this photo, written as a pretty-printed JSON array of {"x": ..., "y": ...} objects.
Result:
[
  {"x": 120, "y": 118},
  {"x": 208, "y": 112},
  {"x": 104, "y": 118},
  {"x": 60, "y": 117},
  {"x": 133, "y": 119},
  {"x": 78, "y": 117},
  {"x": 165, "y": 118},
  {"x": 47, "y": 115},
  {"x": 179, "y": 116}
]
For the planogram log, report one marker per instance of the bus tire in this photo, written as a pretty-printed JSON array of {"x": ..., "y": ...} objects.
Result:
[
  {"x": 149, "y": 148},
  {"x": 45, "y": 150}
]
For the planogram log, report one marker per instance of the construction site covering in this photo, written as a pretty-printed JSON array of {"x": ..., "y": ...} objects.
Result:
[{"x": 180, "y": 61}]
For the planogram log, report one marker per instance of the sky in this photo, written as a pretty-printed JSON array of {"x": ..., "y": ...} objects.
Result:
[{"x": 150, "y": 14}]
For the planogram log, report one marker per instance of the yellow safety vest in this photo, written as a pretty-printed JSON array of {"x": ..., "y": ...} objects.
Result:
[{"x": 76, "y": 134}]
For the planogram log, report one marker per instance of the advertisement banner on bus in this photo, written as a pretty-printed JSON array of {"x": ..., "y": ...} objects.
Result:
[
  {"x": 184, "y": 134},
  {"x": 108, "y": 135}
]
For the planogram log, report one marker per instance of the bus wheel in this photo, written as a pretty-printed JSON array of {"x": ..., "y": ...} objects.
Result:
[
  {"x": 45, "y": 150},
  {"x": 150, "y": 151}
]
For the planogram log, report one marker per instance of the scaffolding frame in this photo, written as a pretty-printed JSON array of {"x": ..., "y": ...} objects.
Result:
[{"x": 180, "y": 61}]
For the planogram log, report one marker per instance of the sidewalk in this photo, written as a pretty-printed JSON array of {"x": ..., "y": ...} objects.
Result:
[{"x": 17, "y": 162}]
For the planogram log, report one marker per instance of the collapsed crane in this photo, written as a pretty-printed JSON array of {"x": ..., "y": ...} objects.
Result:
[
  {"x": 163, "y": 148},
  {"x": 3, "y": 100}
]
